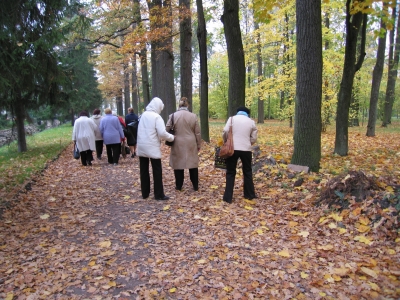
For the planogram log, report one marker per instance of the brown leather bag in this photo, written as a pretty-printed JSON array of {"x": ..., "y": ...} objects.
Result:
[{"x": 227, "y": 148}]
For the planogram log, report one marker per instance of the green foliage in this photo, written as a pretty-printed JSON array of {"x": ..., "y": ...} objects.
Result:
[
  {"x": 42, "y": 148},
  {"x": 218, "y": 86}
]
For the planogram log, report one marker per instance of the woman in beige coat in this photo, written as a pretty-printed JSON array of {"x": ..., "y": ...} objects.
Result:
[{"x": 184, "y": 151}]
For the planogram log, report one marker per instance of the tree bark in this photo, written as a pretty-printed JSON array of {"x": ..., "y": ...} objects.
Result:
[
  {"x": 19, "y": 110},
  {"x": 260, "y": 103},
  {"x": 237, "y": 70},
  {"x": 392, "y": 71},
  {"x": 202, "y": 38},
  {"x": 135, "y": 98},
  {"x": 376, "y": 80},
  {"x": 307, "y": 130},
  {"x": 185, "y": 27},
  {"x": 127, "y": 95},
  {"x": 351, "y": 66},
  {"x": 118, "y": 102}
]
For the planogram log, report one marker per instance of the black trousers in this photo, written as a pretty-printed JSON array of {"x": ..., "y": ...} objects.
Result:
[
  {"x": 145, "y": 177},
  {"x": 86, "y": 156},
  {"x": 99, "y": 148},
  {"x": 194, "y": 178},
  {"x": 248, "y": 185},
  {"x": 113, "y": 153}
]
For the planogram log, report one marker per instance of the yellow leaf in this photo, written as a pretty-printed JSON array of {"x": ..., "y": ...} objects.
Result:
[
  {"x": 214, "y": 186},
  {"x": 250, "y": 201},
  {"x": 357, "y": 211},
  {"x": 363, "y": 228},
  {"x": 293, "y": 224},
  {"x": 105, "y": 244},
  {"x": 53, "y": 250},
  {"x": 391, "y": 251},
  {"x": 284, "y": 253},
  {"x": 173, "y": 290},
  {"x": 363, "y": 220},
  {"x": 166, "y": 207},
  {"x": 248, "y": 207},
  {"x": 200, "y": 243},
  {"x": 369, "y": 272},
  {"x": 336, "y": 217},
  {"x": 304, "y": 233},
  {"x": 332, "y": 225},
  {"x": 397, "y": 240},
  {"x": 127, "y": 197},
  {"x": 9, "y": 296},
  {"x": 374, "y": 286},
  {"x": 202, "y": 261},
  {"x": 341, "y": 271},
  {"x": 363, "y": 239},
  {"x": 181, "y": 210},
  {"x": 259, "y": 231},
  {"x": 112, "y": 283},
  {"x": 92, "y": 263},
  {"x": 264, "y": 252},
  {"x": 304, "y": 275},
  {"x": 389, "y": 189},
  {"x": 329, "y": 278},
  {"x": 44, "y": 216},
  {"x": 322, "y": 294},
  {"x": 296, "y": 213},
  {"x": 325, "y": 247},
  {"x": 228, "y": 288},
  {"x": 336, "y": 277}
]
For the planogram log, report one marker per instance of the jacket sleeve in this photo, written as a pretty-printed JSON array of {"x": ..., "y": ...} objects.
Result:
[
  {"x": 161, "y": 132},
  {"x": 253, "y": 135},
  {"x": 197, "y": 134},
  {"x": 168, "y": 126},
  {"x": 226, "y": 130}
]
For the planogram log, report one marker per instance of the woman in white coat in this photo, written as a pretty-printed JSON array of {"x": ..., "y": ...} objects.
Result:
[
  {"x": 83, "y": 136},
  {"x": 151, "y": 131}
]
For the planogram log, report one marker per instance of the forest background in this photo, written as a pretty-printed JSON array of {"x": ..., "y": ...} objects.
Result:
[{"x": 304, "y": 62}]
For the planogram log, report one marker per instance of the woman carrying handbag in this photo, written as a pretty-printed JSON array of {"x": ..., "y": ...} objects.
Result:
[{"x": 244, "y": 133}]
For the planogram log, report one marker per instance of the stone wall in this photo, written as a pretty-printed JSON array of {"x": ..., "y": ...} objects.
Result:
[{"x": 9, "y": 135}]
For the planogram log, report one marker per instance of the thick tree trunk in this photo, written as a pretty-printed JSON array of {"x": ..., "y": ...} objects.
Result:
[
  {"x": 202, "y": 38},
  {"x": 145, "y": 78},
  {"x": 392, "y": 71},
  {"x": 19, "y": 110},
  {"x": 162, "y": 67},
  {"x": 376, "y": 81},
  {"x": 237, "y": 70},
  {"x": 127, "y": 92},
  {"x": 307, "y": 131},
  {"x": 118, "y": 102},
  {"x": 353, "y": 23},
  {"x": 135, "y": 98},
  {"x": 186, "y": 53}
]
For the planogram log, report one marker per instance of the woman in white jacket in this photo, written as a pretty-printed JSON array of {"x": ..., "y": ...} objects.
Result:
[
  {"x": 244, "y": 135},
  {"x": 151, "y": 131}
]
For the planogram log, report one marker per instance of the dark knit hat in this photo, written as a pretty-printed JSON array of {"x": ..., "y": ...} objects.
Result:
[{"x": 245, "y": 109}]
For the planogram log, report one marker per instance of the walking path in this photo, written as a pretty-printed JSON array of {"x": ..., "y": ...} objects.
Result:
[{"x": 86, "y": 233}]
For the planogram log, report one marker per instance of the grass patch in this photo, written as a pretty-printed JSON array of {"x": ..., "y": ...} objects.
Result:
[{"x": 43, "y": 147}]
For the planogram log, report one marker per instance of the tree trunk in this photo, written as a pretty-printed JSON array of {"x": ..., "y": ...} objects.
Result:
[
  {"x": 186, "y": 52},
  {"x": 351, "y": 66},
  {"x": 307, "y": 130},
  {"x": 376, "y": 80},
  {"x": 392, "y": 71},
  {"x": 135, "y": 98},
  {"x": 127, "y": 95},
  {"x": 118, "y": 102},
  {"x": 260, "y": 103},
  {"x": 163, "y": 64},
  {"x": 237, "y": 70},
  {"x": 19, "y": 110},
  {"x": 202, "y": 38}
]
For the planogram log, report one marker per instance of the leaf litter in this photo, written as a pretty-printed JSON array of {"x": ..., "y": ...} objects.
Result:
[{"x": 86, "y": 233}]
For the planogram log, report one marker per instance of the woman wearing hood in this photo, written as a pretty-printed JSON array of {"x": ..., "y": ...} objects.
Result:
[
  {"x": 99, "y": 138},
  {"x": 151, "y": 131}
]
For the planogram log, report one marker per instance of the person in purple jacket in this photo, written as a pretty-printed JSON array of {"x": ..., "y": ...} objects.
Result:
[{"x": 112, "y": 133}]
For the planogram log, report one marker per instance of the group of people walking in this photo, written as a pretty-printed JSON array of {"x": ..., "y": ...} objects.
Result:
[{"x": 90, "y": 134}]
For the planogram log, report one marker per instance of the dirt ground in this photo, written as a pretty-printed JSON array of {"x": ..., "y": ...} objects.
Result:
[{"x": 86, "y": 233}]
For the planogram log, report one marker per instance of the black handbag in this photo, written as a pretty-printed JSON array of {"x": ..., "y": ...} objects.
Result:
[
  {"x": 76, "y": 152},
  {"x": 171, "y": 131},
  {"x": 219, "y": 162}
]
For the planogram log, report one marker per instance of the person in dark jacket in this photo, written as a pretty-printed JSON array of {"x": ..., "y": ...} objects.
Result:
[{"x": 131, "y": 141}]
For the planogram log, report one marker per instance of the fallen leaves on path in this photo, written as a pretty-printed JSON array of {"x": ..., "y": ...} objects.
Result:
[{"x": 86, "y": 233}]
